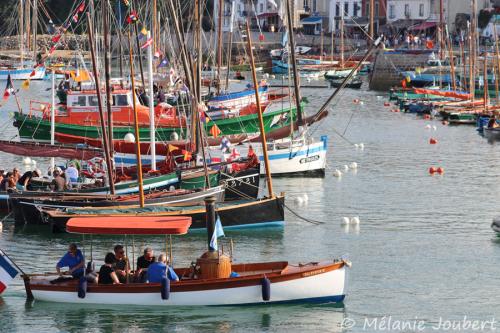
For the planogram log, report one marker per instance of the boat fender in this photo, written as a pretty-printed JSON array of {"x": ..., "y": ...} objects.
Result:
[
  {"x": 82, "y": 287},
  {"x": 165, "y": 288},
  {"x": 266, "y": 288}
]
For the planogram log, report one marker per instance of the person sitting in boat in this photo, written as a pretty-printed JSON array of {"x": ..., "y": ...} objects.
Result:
[
  {"x": 143, "y": 98},
  {"x": 24, "y": 183},
  {"x": 121, "y": 265},
  {"x": 5, "y": 181},
  {"x": 143, "y": 263},
  {"x": 492, "y": 123},
  {"x": 58, "y": 183},
  {"x": 161, "y": 95},
  {"x": 16, "y": 174},
  {"x": 74, "y": 260},
  {"x": 238, "y": 76},
  {"x": 107, "y": 274},
  {"x": 160, "y": 269},
  {"x": 71, "y": 173},
  {"x": 252, "y": 158}
]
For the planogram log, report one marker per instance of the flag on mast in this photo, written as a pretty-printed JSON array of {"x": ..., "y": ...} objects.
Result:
[
  {"x": 7, "y": 272},
  {"x": 9, "y": 89}
]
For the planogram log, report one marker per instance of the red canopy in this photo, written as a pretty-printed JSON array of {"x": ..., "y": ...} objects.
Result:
[
  {"x": 423, "y": 26},
  {"x": 129, "y": 225}
]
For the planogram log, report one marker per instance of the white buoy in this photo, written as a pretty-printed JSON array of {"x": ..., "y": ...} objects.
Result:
[
  {"x": 427, "y": 126},
  {"x": 346, "y": 167},
  {"x": 356, "y": 146},
  {"x": 361, "y": 146},
  {"x": 27, "y": 160},
  {"x": 434, "y": 127},
  {"x": 305, "y": 197},
  {"x": 298, "y": 200},
  {"x": 129, "y": 138},
  {"x": 361, "y": 103},
  {"x": 337, "y": 173},
  {"x": 353, "y": 165},
  {"x": 266, "y": 75},
  {"x": 273, "y": 76},
  {"x": 344, "y": 220},
  {"x": 355, "y": 220}
]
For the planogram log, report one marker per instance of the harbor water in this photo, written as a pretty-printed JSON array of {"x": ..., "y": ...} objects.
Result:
[{"x": 422, "y": 254}]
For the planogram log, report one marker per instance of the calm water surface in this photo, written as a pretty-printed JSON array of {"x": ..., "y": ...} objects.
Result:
[{"x": 424, "y": 249}]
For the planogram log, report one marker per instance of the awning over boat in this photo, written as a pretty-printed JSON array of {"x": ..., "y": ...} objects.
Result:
[
  {"x": 423, "y": 26},
  {"x": 46, "y": 150},
  {"x": 445, "y": 93},
  {"x": 129, "y": 225},
  {"x": 312, "y": 20}
]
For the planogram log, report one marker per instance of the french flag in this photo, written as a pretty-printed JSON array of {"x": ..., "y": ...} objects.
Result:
[{"x": 7, "y": 272}]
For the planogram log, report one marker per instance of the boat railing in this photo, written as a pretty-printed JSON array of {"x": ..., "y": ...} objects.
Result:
[{"x": 37, "y": 106}]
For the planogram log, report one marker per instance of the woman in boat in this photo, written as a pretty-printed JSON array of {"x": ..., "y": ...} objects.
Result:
[
  {"x": 24, "y": 183},
  {"x": 74, "y": 260},
  {"x": 107, "y": 274}
]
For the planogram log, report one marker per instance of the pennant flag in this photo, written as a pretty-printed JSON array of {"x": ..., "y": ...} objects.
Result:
[
  {"x": 82, "y": 7},
  {"x": 7, "y": 272},
  {"x": 148, "y": 43},
  {"x": 26, "y": 84},
  {"x": 172, "y": 148},
  {"x": 225, "y": 144},
  {"x": 403, "y": 83},
  {"x": 56, "y": 39},
  {"x": 187, "y": 155},
  {"x": 157, "y": 54},
  {"x": 9, "y": 89},
  {"x": 75, "y": 18},
  {"x": 163, "y": 63},
  {"x": 203, "y": 116},
  {"x": 215, "y": 131},
  {"x": 32, "y": 73},
  {"x": 218, "y": 232},
  {"x": 52, "y": 49},
  {"x": 144, "y": 33},
  {"x": 132, "y": 17}
]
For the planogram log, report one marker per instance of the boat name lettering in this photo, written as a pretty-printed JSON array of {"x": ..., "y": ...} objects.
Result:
[
  {"x": 311, "y": 273},
  {"x": 309, "y": 159},
  {"x": 247, "y": 180}
]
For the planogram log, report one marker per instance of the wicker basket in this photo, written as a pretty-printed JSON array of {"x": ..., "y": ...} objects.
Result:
[{"x": 214, "y": 266}]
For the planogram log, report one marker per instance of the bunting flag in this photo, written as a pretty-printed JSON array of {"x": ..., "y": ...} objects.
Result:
[
  {"x": 33, "y": 73},
  {"x": 26, "y": 84},
  {"x": 9, "y": 89},
  {"x": 215, "y": 131},
  {"x": 144, "y": 33},
  {"x": 132, "y": 17},
  {"x": 203, "y": 117},
  {"x": 403, "y": 83},
  {"x": 75, "y": 18},
  {"x": 82, "y": 7},
  {"x": 7, "y": 271},
  {"x": 148, "y": 43},
  {"x": 56, "y": 39},
  {"x": 163, "y": 63},
  {"x": 52, "y": 49},
  {"x": 187, "y": 155},
  {"x": 172, "y": 148},
  {"x": 157, "y": 54}
]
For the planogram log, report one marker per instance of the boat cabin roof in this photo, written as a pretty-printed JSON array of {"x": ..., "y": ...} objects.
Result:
[
  {"x": 93, "y": 92},
  {"x": 136, "y": 225}
]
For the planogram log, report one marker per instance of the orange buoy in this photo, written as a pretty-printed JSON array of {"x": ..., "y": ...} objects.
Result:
[
  {"x": 432, "y": 170},
  {"x": 427, "y": 116},
  {"x": 356, "y": 101},
  {"x": 440, "y": 170},
  {"x": 433, "y": 141},
  {"x": 261, "y": 37}
]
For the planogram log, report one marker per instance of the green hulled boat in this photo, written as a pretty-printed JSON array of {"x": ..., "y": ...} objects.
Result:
[{"x": 32, "y": 128}]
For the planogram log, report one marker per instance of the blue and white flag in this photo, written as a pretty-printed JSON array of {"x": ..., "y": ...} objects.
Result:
[
  {"x": 218, "y": 232},
  {"x": 7, "y": 272}
]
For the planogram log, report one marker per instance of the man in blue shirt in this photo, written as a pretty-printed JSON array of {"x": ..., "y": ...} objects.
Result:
[
  {"x": 158, "y": 270},
  {"x": 74, "y": 260}
]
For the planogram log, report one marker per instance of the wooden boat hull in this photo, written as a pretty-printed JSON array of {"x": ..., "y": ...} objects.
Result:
[
  {"x": 241, "y": 214},
  {"x": 320, "y": 283},
  {"x": 27, "y": 210}
]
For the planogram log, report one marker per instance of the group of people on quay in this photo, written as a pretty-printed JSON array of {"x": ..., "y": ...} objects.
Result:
[
  {"x": 116, "y": 268},
  {"x": 61, "y": 179}
]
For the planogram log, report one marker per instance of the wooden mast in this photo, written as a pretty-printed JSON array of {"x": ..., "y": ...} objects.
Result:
[
  {"x": 296, "y": 83},
  {"x": 219, "y": 45},
  {"x": 34, "y": 18},
  {"x": 342, "y": 58},
  {"x": 471, "y": 65},
  {"x": 441, "y": 30},
  {"x": 136, "y": 125},
  {"x": 120, "y": 46},
  {"x": 485, "y": 82},
  {"x": 320, "y": 47},
  {"x": 152, "y": 129},
  {"x": 452, "y": 61},
  {"x": 138, "y": 47},
  {"x": 107, "y": 73},
  {"x": 496, "y": 63},
  {"x": 372, "y": 19},
  {"x": 259, "y": 111},
  {"x": 28, "y": 25},
  {"x": 231, "y": 29},
  {"x": 21, "y": 31},
  {"x": 99, "y": 102}
]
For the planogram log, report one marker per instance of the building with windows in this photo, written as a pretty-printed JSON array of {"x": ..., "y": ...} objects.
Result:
[
  {"x": 379, "y": 15},
  {"x": 349, "y": 10}
]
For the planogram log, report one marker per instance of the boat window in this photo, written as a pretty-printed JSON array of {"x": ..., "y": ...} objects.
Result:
[
  {"x": 93, "y": 101},
  {"x": 120, "y": 100},
  {"x": 79, "y": 101}
]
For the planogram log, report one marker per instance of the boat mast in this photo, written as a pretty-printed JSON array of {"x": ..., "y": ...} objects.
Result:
[
  {"x": 496, "y": 63},
  {"x": 99, "y": 102},
  {"x": 21, "y": 31},
  {"x": 471, "y": 64},
  {"x": 372, "y": 20},
  {"x": 35, "y": 25},
  {"x": 120, "y": 46},
  {"x": 107, "y": 73},
  {"x": 321, "y": 47},
  {"x": 136, "y": 124},
  {"x": 452, "y": 60},
  {"x": 138, "y": 47},
  {"x": 152, "y": 134},
  {"x": 441, "y": 30},
  {"x": 53, "y": 117},
  {"x": 231, "y": 25},
  {"x": 28, "y": 25},
  {"x": 342, "y": 42},
  {"x": 259, "y": 110},
  {"x": 485, "y": 82},
  {"x": 296, "y": 83},
  {"x": 219, "y": 45}
]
